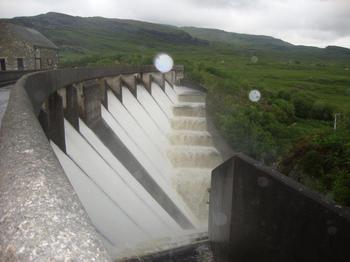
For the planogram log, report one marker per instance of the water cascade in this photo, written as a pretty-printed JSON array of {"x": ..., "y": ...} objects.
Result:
[
  {"x": 192, "y": 152},
  {"x": 142, "y": 171}
]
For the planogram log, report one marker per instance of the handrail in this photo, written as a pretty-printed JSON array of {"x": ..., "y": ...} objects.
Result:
[{"x": 40, "y": 213}]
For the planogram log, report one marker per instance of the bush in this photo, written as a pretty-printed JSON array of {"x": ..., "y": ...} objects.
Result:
[
  {"x": 341, "y": 189},
  {"x": 303, "y": 106},
  {"x": 284, "y": 95},
  {"x": 322, "y": 111},
  {"x": 215, "y": 71},
  {"x": 284, "y": 111}
]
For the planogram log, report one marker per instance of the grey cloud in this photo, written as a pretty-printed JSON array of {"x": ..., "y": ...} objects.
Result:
[{"x": 223, "y": 3}]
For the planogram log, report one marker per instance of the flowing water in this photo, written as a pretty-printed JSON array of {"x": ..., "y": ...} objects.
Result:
[
  {"x": 192, "y": 152},
  {"x": 166, "y": 133}
]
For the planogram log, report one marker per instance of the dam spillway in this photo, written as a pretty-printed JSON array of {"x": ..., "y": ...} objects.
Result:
[
  {"x": 142, "y": 168},
  {"x": 110, "y": 187}
]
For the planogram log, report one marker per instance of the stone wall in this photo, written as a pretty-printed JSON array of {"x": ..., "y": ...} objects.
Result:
[
  {"x": 11, "y": 49},
  {"x": 49, "y": 58},
  {"x": 14, "y": 49}
]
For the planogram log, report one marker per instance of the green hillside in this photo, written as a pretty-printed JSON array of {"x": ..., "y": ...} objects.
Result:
[
  {"x": 79, "y": 37},
  {"x": 290, "y": 128},
  {"x": 244, "y": 40}
]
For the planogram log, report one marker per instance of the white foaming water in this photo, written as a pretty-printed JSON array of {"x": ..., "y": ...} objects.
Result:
[
  {"x": 162, "y": 100},
  {"x": 171, "y": 93},
  {"x": 136, "y": 132},
  {"x": 194, "y": 156},
  {"x": 193, "y": 184},
  {"x": 150, "y": 167},
  {"x": 112, "y": 223},
  {"x": 167, "y": 134},
  {"x": 190, "y": 137},
  {"x": 189, "y": 123},
  {"x": 153, "y": 109},
  {"x": 196, "y": 110},
  {"x": 129, "y": 180},
  {"x": 144, "y": 120},
  {"x": 192, "y": 152},
  {"x": 118, "y": 190},
  {"x": 138, "y": 152}
]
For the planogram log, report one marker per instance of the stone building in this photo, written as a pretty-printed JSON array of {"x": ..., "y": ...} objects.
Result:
[{"x": 23, "y": 48}]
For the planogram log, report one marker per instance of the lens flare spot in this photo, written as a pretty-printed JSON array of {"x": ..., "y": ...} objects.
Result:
[
  {"x": 163, "y": 62},
  {"x": 220, "y": 219},
  {"x": 254, "y": 59},
  {"x": 254, "y": 95}
]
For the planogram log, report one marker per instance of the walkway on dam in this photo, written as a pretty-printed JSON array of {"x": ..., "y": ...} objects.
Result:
[{"x": 4, "y": 97}]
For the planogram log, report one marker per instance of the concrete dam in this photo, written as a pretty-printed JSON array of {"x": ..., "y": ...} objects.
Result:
[
  {"x": 122, "y": 164},
  {"x": 142, "y": 158}
]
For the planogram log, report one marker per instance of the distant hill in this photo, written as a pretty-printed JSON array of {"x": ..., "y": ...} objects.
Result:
[
  {"x": 215, "y": 35},
  {"x": 81, "y": 36}
]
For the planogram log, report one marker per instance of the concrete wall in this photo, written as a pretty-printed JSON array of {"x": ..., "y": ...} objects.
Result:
[
  {"x": 257, "y": 214},
  {"x": 42, "y": 218}
]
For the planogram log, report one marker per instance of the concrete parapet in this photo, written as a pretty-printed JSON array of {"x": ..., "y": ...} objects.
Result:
[
  {"x": 92, "y": 102},
  {"x": 147, "y": 80},
  {"x": 41, "y": 216},
  {"x": 170, "y": 77},
  {"x": 115, "y": 84},
  {"x": 55, "y": 130},
  {"x": 129, "y": 81},
  {"x": 71, "y": 111},
  {"x": 159, "y": 79},
  {"x": 257, "y": 214}
]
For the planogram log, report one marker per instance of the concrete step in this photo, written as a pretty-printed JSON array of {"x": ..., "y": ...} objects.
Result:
[
  {"x": 189, "y": 137},
  {"x": 189, "y": 123},
  {"x": 194, "y": 156},
  {"x": 189, "y": 110},
  {"x": 192, "y": 97}
]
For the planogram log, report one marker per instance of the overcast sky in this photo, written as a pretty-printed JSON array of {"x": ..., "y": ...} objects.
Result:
[{"x": 308, "y": 22}]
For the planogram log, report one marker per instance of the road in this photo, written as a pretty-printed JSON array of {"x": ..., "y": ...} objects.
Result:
[{"x": 4, "y": 97}]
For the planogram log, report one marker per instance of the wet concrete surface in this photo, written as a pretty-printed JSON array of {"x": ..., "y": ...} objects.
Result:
[{"x": 4, "y": 97}]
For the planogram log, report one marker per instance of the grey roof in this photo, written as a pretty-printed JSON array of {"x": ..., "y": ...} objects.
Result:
[{"x": 26, "y": 34}]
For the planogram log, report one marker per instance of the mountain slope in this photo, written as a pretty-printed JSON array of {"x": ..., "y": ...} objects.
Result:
[
  {"x": 215, "y": 35},
  {"x": 83, "y": 36}
]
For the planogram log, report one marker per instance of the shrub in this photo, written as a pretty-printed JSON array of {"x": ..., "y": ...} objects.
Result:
[
  {"x": 341, "y": 189},
  {"x": 284, "y": 95},
  {"x": 321, "y": 111},
  {"x": 303, "y": 106}
]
